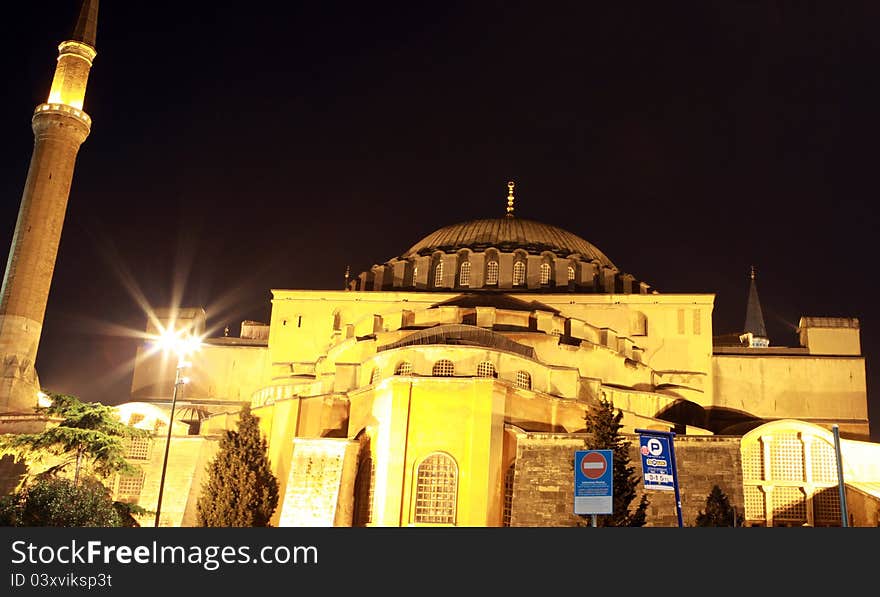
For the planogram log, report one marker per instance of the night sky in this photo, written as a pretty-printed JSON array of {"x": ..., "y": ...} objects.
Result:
[{"x": 269, "y": 145}]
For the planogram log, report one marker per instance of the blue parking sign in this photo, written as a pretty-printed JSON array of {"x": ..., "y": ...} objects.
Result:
[{"x": 657, "y": 462}]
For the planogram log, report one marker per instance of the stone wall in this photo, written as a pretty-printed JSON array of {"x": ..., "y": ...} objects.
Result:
[{"x": 543, "y": 487}]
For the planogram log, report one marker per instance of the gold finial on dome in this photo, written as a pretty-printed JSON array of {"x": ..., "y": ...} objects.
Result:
[{"x": 510, "y": 186}]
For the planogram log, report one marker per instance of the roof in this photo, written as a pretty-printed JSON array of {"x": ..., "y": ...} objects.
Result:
[{"x": 508, "y": 234}]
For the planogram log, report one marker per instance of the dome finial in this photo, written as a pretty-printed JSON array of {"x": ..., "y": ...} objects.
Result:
[{"x": 510, "y": 185}]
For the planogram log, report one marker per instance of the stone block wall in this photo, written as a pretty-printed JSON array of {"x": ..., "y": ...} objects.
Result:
[{"x": 543, "y": 486}]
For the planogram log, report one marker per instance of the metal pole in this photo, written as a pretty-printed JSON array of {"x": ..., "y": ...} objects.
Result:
[
  {"x": 167, "y": 443},
  {"x": 844, "y": 517},
  {"x": 671, "y": 435}
]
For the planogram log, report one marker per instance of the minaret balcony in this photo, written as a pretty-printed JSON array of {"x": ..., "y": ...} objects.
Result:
[{"x": 65, "y": 109}]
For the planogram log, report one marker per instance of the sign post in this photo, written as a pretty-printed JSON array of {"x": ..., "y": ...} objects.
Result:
[
  {"x": 593, "y": 482},
  {"x": 658, "y": 463}
]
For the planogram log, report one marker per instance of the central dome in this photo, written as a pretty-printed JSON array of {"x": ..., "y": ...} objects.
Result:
[{"x": 508, "y": 234}]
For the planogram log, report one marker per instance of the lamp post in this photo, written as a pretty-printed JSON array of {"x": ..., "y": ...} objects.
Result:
[{"x": 181, "y": 347}]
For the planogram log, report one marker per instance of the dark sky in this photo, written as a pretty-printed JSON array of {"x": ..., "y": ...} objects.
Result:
[{"x": 243, "y": 147}]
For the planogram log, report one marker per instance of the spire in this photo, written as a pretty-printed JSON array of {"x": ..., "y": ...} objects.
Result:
[
  {"x": 510, "y": 186},
  {"x": 754, "y": 314},
  {"x": 87, "y": 24}
]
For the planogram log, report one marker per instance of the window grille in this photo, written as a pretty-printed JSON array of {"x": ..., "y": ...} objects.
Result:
[
  {"x": 824, "y": 462},
  {"x": 789, "y": 505},
  {"x": 375, "y": 376},
  {"x": 404, "y": 368},
  {"x": 545, "y": 273},
  {"x": 787, "y": 458},
  {"x": 753, "y": 461},
  {"x": 486, "y": 369},
  {"x": 464, "y": 276},
  {"x": 492, "y": 272},
  {"x": 438, "y": 275},
  {"x": 754, "y": 501},
  {"x": 519, "y": 273},
  {"x": 826, "y": 507},
  {"x": 129, "y": 487},
  {"x": 570, "y": 274},
  {"x": 508, "y": 496},
  {"x": 137, "y": 448},
  {"x": 443, "y": 368},
  {"x": 436, "y": 488},
  {"x": 523, "y": 380}
]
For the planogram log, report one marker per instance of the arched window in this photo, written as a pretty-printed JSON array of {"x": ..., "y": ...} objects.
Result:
[
  {"x": 438, "y": 275},
  {"x": 508, "y": 495},
  {"x": 545, "y": 273},
  {"x": 443, "y": 368},
  {"x": 519, "y": 273},
  {"x": 492, "y": 272},
  {"x": 375, "y": 376},
  {"x": 337, "y": 321},
  {"x": 464, "y": 274},
  {"x": 436, "y": 489},
  {"x": 404, "y": 368},
  {"x": 486, "y": 369},
  {"x": 523, "y": 380},
  {"x": 570, "y": 274}
]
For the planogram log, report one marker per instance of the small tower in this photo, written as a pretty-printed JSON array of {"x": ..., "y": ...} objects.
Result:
[
  {"x": 754, "y": 332},
  {"x": 60, "y": 126}
]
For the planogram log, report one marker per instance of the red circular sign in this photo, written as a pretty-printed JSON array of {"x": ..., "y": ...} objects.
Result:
[{"x": 593, "y": 465}]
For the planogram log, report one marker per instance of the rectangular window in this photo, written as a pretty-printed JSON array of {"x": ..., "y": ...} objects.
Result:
[
  {"x": 697, "y": 329},
  {"x": 681, "y": 321}
]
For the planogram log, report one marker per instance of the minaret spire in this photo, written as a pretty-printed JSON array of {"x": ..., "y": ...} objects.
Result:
[
  {"x": 754, "y": 327},
  {"x": 60, "y": 126},
  {"x": 86, "y": 29}
]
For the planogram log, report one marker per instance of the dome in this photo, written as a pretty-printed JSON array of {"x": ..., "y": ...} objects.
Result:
[{"x": 507, "y": 234}]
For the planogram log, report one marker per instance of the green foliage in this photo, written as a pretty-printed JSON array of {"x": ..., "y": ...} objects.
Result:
[
  {"x": 241, "y": 490},
  {"x": 718, "y": 512},
  {"x": 58, "y": 502},
  {"x": 89, "y": 434},
  {"x": 603, "y": 425}
]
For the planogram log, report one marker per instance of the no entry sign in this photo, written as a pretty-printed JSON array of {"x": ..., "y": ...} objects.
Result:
[{"x": 593, "y": 488}]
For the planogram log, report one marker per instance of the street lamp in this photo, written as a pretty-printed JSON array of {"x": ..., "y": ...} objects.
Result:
[{"x": 182, "y": 346}]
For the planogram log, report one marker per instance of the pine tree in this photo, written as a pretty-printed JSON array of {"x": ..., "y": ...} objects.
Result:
[
  {"x": 718, "y": 512},
  {"x": 241, "y": 490},
  {"x": 603, "y": 427},
  {"x": 89, "y": 436}
]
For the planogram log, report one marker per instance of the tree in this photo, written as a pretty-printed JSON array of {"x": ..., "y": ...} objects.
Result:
[
  {"x": 241, "y": 490},
  {"x": 88, "y": 435},
  {"x": 718, "y": 512},
  {"x": 58, "y": 502},
  {"x": 603, "y": 427}
]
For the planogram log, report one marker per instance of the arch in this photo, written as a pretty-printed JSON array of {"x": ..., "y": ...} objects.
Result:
[
  {"x": 443, "y": 368},
  {"x": 545, "y": 273},
  {"x": 363, "y": 490},
  {"x": 436, "y": 487},
  {"x": 523, "y": 380},
  {"x": 492, "y": 270},
  {"x": 571, "y": 273}
]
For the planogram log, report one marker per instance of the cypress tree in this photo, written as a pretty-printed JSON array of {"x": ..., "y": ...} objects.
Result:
[
  {"x": 603, "y": 425},
  {"x": 718, "y": 512},
  {"x": 241, "y": 490}
]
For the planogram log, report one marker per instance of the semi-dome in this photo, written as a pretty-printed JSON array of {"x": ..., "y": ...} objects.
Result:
[{"x": 508, "y": 234}]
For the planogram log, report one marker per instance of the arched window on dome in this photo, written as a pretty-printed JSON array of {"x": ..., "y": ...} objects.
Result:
[
  {"x": 486, "y": 369},
  {"x": 464, "y": 274},
  {"x": 570, "y": 273},
  {"x": 523, "y": 380},
  {"x": 545, "y": 273},
  {"x": 492, "y": 273},
  {"x": 337, "y": 321},
  {"x": 404, "y": 368},
  {"x": 519, "y": 273},
  {"x": 436, "y": 490},
  {"x": 443, "y": 368},
  {"x": 438, "y": 275}
]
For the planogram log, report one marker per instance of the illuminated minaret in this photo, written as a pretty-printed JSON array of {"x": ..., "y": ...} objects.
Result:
[{"x": 60, "y": 126}]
